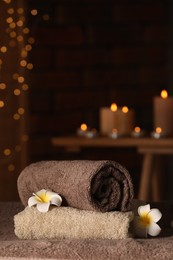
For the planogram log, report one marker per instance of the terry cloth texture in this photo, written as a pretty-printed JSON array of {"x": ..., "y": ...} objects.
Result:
[
  {"x": 90, "y": 185},
  {"x": 66, "y": 222},
  {"x": 11, "y": 247}
]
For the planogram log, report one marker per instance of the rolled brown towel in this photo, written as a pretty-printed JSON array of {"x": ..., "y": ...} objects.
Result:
[{"x": 83, "y": 184}]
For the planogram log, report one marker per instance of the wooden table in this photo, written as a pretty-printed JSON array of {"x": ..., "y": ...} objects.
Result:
[{"x": 151, "y": 149}]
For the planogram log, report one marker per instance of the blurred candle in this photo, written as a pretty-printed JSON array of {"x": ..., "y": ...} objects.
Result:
[
  {"x": 125, "y": 118},
  {"x": 163, "y": 113},
  {"x": 81, "y": 131},
  {"x": 157, "y": 133},
  {"x": 137, "y": 132},
  {"x": 114, "y": 133},
  {"x": 107, "y": 119}
]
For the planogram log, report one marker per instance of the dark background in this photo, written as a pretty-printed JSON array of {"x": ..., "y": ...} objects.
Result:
[{"x": 88, "y": 54}]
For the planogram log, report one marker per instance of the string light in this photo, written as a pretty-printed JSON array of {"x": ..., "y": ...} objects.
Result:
[
  {"x": 17, "y": 92},
  {"x": 34, "y": 12},
  {"x": 1, "y": 103},
  {"x": 17, "y": 34},
  {"x": 2, "y": 86},
  {"x": 7, "y": 152}
]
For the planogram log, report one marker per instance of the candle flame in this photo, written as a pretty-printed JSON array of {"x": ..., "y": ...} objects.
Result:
[
  {"x": 164, "y": 94},
  {"x": 137, "y": 129},
  {"x": 158, "y": 130},
  {"x": 114, "y": 107},
  {"x": 83, "y": 127},
  {"x": 125, "y": 109}
]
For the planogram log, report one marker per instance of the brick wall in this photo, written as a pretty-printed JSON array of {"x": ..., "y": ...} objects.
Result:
[{"x": 89, "y": 54}]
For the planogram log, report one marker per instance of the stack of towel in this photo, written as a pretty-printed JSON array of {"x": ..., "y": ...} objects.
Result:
[{"x": 97, "y": 197}]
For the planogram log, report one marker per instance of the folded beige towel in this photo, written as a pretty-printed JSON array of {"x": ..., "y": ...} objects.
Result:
[
  {"x": 83, "y": 184},
  {"x": 66, "y": 222}
]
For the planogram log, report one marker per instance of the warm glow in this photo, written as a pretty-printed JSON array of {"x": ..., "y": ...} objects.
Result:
[
  {"x": 16, "y": 116},
  {"x": 1, "y": 103},
  {"x": 9, "y": 20},
  {"x": 21, "y": 79},
  {"x": 12, "y": 25},
  {"x": 23, "y": 63},
  {"x": 7, "y": 1},
  {"x": 13, "y": 34},
  {"x": 26, "y": 30},
  {"x": 2, "y": 86},
  {"x": 20, "y": 38},
  {"x": 137, "y": 129},
  {"x": 3, "y": 49},
  {"x": 158, "y": 130},
  {"x": 125, "y": 109},
  {"x": 21, "y": 111},
  {"x": 10, "y": 11},
  {"x": 29, "y": 66},
  {"x": 9, "y": 84},
  {"x": 7, "y": 152},
  {"x": 34, "y": 12},
  {"x": 164, "y": 94},
  {"x": 25, "y": 87},
  {"x": 28, "y": 47},
  {"x": 19, "y": 23},
  {"x": 24, "y": 53},
  {"x": 83, "y": 127},
  {"x": 17, "y": 92},
  {"x": 20, "y": 10},
  {"x": 114, "y": 107}
]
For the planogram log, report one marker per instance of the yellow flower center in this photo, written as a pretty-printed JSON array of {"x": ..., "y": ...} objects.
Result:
[
  {"x": 43, "y": 198},
  {"x": 145, "y": 220}
]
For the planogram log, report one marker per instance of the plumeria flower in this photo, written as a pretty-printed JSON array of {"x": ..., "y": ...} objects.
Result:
[
  {"x": 43, "y": 199},
  {"x": 147, "y": 221}
]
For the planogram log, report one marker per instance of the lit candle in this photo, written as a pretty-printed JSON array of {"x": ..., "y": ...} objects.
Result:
[
  {"x": 137, "y": 132},
  {"x": 163, "y": 113},
  {"x": 114, "y": 133},
  {"x": 107, "y": 119},
  {"x": 157, "y": 133},
  {"x": 81, "y": 131},
  {"x": 124, "y": 120}
]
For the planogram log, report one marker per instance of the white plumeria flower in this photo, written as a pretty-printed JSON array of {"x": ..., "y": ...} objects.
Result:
[
  {"x": 43, "y": 199},
  {"x": 147, "y": 220}
]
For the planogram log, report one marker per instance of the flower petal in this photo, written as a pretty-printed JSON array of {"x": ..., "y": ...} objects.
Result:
[
  {"x": 51, "y": 193},
  {"x": 43, "y": 207},
  {"x": 56, "y": 200},
  {"x": 144, "y": 209},
  {"x": 54, "y": 197},
  {"x": 32, "y": 201},
  {"x": 154, "y": 229},
  {"x": 41, "y": 192},
  {"x": 155, "y": 214}
]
